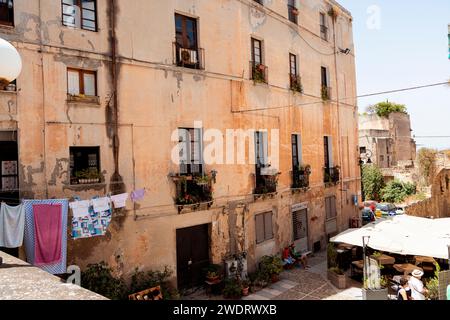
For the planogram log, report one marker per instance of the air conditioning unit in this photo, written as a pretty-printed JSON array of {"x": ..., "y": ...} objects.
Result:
[{"x": 188, "y": 56}]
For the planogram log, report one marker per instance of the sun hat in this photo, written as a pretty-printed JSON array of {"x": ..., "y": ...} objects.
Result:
[{"x": 417, "y": 273}]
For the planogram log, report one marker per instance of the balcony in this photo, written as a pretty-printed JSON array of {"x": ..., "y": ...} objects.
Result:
[
  {"x": 326, "y": 93},
  {"x": 324, "y": 32},
  {"x": 293, "y": 14},
  {"x": 193, "y": 191},
  {"x": 331, "y": 176},
  {"x": 188, "y": 57},
  {"x": 300, "y": 177},
  {"x": 296, "y": 83},
  {"x": 259, "y": 72},
  {"x": 266, "y": 181},
  {"x": 6, "y": 13}
]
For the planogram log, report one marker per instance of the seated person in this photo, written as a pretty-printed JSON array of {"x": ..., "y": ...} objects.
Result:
[
  {"x": 287, "y": 258},
  {"x": 300, "y": 257}
]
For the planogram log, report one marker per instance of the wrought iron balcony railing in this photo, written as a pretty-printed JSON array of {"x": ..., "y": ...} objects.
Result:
[
  {"x": 188, "y": 57},
  {"x": 332, "y": 175},
  {"x": 300, "y": 177},
  {"x": 296, "y": 83},
  {"x": 258, "y": 72}
]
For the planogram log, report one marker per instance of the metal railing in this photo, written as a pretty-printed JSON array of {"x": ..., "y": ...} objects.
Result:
[
  {"x": 265, "y": 184},
  {"x": 296, "y": 83},
  {"x": 332, "y": 175},
  {"x": 326, "y": 93},
  {"x": 6, "y": 12},
  {"x": 300, "y": 178},
  {"x": 188, "y": 58},
  {"x": 258, "y": 72}
]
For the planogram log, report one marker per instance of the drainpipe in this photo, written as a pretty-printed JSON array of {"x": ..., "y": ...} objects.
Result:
[
  {"x": 116, "y": 185},
  {"x": 333, "y": 19}
]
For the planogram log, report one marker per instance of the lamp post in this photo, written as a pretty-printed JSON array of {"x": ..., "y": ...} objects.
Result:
[
  {"x": 365, "y": 242},
  {"x": 10, "y": 63},
  {"x": 366, "y": 156}
]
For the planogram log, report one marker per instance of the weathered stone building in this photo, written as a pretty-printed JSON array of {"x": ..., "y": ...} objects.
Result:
[
  {"x": 388, "y": 139},
  {"x": 106, "y": 83}
]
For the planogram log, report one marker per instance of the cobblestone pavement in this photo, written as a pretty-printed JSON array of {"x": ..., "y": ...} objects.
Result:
[{"x": 300, "y": 284}]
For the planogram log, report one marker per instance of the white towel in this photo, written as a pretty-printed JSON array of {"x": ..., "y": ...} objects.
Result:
[
  {"x": 80, "y": 209},
  {"x": 12, "y": 226},
  {"x": 101, "y": 204},
  {"x": 120, "y": 200}
]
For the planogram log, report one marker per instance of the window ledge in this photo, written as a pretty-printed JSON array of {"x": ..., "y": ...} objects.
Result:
[
  {"x": 8, "y": 92},
  {"x": 84, "y": 100},
  {"x": 84, "y": 187},
  {"x": 6, "y": 27}
]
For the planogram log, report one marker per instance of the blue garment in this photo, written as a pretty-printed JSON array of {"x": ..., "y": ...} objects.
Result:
[
  {"x": 92, "y": 225},
  {"x": 57, "y": 268},
  {"x": 12, "y": 225}
]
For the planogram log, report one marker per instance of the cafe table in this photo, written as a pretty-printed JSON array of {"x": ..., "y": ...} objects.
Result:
[
  {"x": 406, "y": 268},
  {"x": 384, "y": 259}
]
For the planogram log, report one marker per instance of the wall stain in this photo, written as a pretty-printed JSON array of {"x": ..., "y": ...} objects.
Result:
[{"x": 58, "y": 171}]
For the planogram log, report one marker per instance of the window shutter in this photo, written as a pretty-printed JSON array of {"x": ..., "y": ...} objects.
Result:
[
  {"x": 265, "y": 148},
  {"x": 89, "y": 84},
  {"x": 330, "y": 151},
  {"x": 299, "y": 149},
  {"x": 327, "y": 208},
  {"x": 184, "y": 141},
  {"x": 296, "y": 224},
  {"x": 268, "y": 232},
  {"x": 333, "y": 207},
  {"x": 259, "y": 228},
  {"x": 73, "y": 85}
]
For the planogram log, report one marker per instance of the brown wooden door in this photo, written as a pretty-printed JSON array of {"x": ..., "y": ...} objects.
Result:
[{"x": 192, "y": 255}]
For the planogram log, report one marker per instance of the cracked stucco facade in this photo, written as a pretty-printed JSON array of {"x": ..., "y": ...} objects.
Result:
[{"x": 155, "y": 98}]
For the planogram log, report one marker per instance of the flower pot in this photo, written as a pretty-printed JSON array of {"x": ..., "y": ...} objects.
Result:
[
  {"x": 338, "y": 280},
  {"x": 275, "y": 278},
  {"x": 212, "y": 279},
  {"x": 245, "y": 291},
  {"x": 375, "y": 294}
]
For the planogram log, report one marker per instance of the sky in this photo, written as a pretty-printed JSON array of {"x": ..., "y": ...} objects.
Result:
[{"x": 400, "y": 44}]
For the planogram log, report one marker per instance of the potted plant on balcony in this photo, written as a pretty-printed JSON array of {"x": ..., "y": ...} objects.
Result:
[
  {"x": 295, "y": 11},
  {"x": 325, "y": 93},
  {"x": 202, "y": 180},
  {"x": 273, "y": 266},
  {"x": 245, "y": 287}
]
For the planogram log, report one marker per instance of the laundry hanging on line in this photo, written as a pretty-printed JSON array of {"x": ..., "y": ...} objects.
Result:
[
  {"x": 138, "y": 195},
  {"x": 92, "y": 220},
  {"x": 120, "y": 200},
  {"x": 47, "y": 234},
  {"x": 59, "y": 267},
  {"x": 12, "y": 225}
]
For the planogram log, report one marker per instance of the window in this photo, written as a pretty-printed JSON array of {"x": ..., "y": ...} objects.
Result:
[
  {"x": 84, "y": 164},
  {"x": 327, "y": 146},
  {"x": 325, "y": 88},
  {"x": 7, "y": 12},
  {"x": 324, "y": 76},
  {"x": 293, "y": 64},
  {"x": 292, "y": 11},
  {"x": 323, "y": 26},
  {"x": 191, "y": 160},
  {"x": 259, "y": 70},
  {"x": 81, "y": 82},
  {"x": 330, "y": 207},
  {"x": 295, "y": 80},
  {"x": 382, "y": 158},
  {"x": 259, "y": 1},
  {"x": 81, "y": 14},
  {"x": 261, "y": 148},
  {"x": 263, "y": 227},
  {"x": 186, "y": 51},
  {"x": 362, "y": 150},
  {"x": 296, "y": 150}
]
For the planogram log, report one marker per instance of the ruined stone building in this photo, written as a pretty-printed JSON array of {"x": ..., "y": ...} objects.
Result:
[
  {"x": 388, "y": 141},
  {"x": 109, "y": 88}
]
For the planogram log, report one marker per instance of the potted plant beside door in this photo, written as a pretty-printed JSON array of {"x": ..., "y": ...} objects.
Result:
[{"x": 273, "y": 266}]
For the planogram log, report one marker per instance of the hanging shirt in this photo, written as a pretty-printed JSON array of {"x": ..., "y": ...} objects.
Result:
[
  {"x": 80, "y": 208},
  {"x": 138, "y": 195},
  {"x": 101, "y": 204},
  {"x": 120, "y": 200},
  {"x": 12, "y": 225}
]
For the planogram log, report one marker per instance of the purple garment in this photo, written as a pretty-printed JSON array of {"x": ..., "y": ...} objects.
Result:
[{"x": 138, "y": 195}]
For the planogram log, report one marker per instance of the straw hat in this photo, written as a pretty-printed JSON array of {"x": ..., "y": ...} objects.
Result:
[{"x": 417, "y": 273}]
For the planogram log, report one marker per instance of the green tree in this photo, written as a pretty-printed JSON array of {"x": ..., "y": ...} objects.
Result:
[
  {"x": 373, "y": 181},
  {"x": 427, "y": 164},
  {"x": 397, "y": 191},
  {"x": 384, "y": 109}
]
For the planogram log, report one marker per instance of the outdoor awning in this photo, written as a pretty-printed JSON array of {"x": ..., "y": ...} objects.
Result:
[{"x": 404, "y": 235}]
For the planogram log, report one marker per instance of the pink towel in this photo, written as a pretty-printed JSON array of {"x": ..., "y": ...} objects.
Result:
[{"x": 47, "y": 234}]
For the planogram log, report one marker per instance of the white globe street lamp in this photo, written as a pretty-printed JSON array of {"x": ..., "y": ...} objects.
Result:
[{"x": 10, "y": 63}]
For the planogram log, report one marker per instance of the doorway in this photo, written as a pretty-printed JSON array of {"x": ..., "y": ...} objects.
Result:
[
  {"x": 192, "y": 255},
  {"x": 300, "y": 225},
  {"x": 9, "y": 174}
]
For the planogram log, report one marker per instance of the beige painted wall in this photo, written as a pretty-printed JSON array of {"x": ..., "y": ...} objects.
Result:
[{"x": 156, "y": 98}]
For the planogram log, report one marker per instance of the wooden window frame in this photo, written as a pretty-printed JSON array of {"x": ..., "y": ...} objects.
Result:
[
  {"x": 79, "y": 4},
  {"x": 295, "y": 221},
  {"x": 291, "y": 55},
  {"x": 87, "y": 150},
  {"x": 190, "y": 151},
  {"x": 10, "y": 22},
  {"x": 329, "y": 213},
  {"x": 184, "y": 32},
  {"x": 81, "y": 73},
  {"x": 261, "y": 55}
]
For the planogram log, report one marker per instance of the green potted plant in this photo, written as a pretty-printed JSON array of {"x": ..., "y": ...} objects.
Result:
[
  {"x": 202, "y": 180},
  {"x": 213, "y": 272},
  {"x": 433, "y": 284},
  {"x": 325, "y": 93},
  {"x": 245, "y": 287},
  {"x": 335, "y": 274},
  {"x": 273, "y": 266},
  {"x": 232, "y": 289}
]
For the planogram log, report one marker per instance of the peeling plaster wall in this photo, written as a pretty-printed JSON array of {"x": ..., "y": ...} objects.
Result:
[{"x": 156, "y": 98}]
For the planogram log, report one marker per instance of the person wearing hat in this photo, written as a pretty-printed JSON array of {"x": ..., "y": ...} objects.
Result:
[{"x": 418, "y": 291}]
